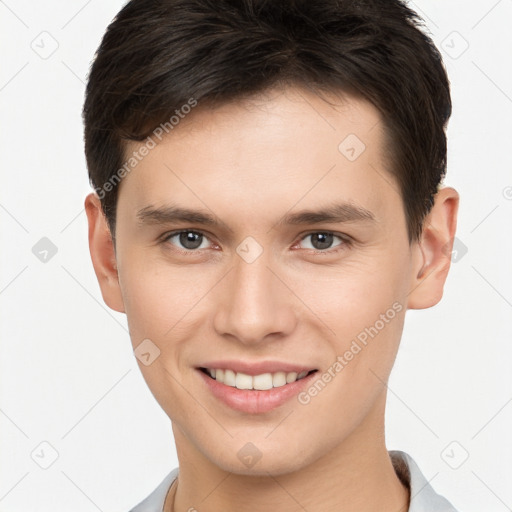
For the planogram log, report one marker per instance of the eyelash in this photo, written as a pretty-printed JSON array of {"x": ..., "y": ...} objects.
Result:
[{"x": 346, "y": 241}]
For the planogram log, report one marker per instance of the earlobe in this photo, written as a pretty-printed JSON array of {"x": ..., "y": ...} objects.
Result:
[
  {"x": 102, "y": 253},
  {"x": 433, "y": 251}
]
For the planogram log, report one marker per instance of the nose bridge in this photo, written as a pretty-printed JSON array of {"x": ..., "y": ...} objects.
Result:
[{"x": 255, "y": 304}]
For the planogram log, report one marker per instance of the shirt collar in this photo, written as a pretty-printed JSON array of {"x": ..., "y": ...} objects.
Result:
[{"x": 423, "y": 497}]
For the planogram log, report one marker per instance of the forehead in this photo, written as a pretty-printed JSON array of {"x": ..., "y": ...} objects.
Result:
[
  {"x": 284, "y": 114},
  {"x": 278, "y": 148}
]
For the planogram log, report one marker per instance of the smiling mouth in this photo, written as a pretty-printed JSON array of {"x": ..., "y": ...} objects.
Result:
[{"x": 260, "y": 382}]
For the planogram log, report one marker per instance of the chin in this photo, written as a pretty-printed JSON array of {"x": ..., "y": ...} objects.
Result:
[
  {"x": 260, "y": 458},
  {"x": 275, "y": 466}
]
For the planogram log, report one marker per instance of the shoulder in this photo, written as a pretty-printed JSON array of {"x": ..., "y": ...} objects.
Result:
[
  {"x": 423, "y": 496},
  {"x": 155, "y": 501}
]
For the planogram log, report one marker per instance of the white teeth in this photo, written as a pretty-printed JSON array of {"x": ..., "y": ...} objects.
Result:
[
  {"x": 279, "y": 379},
  {"x": 243, "y": 381},
  {"x": 260, "y": 382},
  {"x": 229, "y": 378},
  {"x": 291, "y": 377}
]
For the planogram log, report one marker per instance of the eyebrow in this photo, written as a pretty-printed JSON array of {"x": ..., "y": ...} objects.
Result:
[
  {"x": 170, "y": 214},
  {"x": 335, "y": 213}
]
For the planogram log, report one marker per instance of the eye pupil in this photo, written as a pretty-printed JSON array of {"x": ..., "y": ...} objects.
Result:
[
  {"x": 190, "y": 240},
  {"x": 321, "y": 240}
]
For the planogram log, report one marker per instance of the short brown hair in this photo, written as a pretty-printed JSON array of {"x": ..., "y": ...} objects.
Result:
[{"x": 157, "y": 54}]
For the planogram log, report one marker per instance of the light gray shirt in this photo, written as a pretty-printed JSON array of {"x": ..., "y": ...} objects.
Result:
[{"x": 423, "y": 496}]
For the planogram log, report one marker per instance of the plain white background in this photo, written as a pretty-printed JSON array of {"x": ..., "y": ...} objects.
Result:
[{"x": 69, "y": 377}]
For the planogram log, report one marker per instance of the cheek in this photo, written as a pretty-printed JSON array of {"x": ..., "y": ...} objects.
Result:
[
  {"x": 351, "y": 386},
  {"x": 159, "y": 299},
  {"x": 356, "y": 296},
  {"x": 161, "y": 305},
  {"x": 363, "y": 309}
]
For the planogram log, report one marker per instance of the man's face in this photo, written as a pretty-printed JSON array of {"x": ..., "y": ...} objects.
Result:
[{"x": 262, "y": 289}]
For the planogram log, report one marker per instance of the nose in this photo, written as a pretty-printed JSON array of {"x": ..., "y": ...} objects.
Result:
[{"x": 255, "y": 305}]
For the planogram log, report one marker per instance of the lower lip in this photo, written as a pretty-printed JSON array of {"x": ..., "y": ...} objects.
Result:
[{"x": 254, "y": 401}]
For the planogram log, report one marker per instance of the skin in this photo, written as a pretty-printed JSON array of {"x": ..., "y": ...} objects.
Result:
[{"x": 249, "y": 164}]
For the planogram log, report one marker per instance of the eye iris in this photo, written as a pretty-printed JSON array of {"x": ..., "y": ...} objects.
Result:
[
  {"x": 190, "y": 240},
  {"x": 321, "y": 240}
]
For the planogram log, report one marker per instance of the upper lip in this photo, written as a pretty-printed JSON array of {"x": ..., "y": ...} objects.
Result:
[{"x": 256, "y": 368}]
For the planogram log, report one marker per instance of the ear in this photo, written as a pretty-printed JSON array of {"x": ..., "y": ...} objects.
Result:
[
  {"x": 433, "y": 251},
  {"x": 103, "y": 255}
]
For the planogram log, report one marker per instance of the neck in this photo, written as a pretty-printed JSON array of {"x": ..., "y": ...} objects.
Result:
[{"x": 356, "y": 476}]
